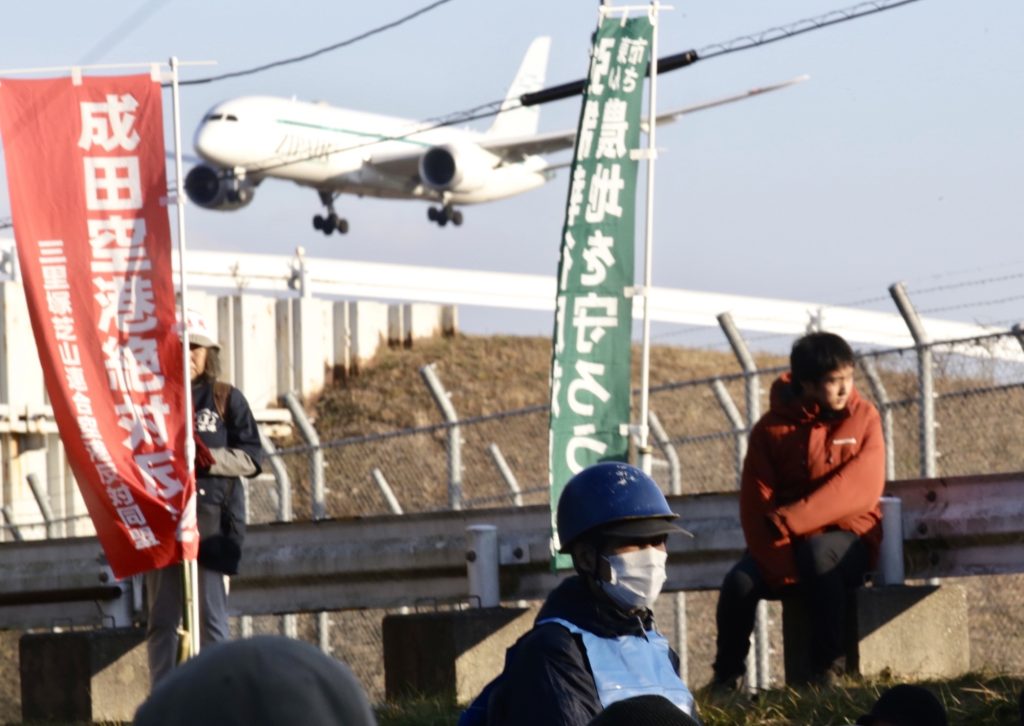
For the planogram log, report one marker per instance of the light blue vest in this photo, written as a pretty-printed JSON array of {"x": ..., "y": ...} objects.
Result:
[{"x": 631, "y": 665}]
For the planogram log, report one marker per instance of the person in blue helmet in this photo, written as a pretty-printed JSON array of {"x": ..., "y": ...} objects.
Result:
[{"x": 594, "y": 642}]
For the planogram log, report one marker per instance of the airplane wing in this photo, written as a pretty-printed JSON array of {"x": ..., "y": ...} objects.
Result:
[{"x": 516, "y": 148}]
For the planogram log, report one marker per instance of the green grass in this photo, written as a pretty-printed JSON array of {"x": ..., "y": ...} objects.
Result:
[{"x": 976, "y": 700}]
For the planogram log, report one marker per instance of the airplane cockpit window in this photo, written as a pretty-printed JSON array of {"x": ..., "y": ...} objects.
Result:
[
  {"x": 214, "y": 117},
  {"x": 231, "y": 117}
]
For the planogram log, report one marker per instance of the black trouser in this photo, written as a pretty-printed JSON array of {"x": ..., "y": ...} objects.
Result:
[{"x": 828, "y": 565}]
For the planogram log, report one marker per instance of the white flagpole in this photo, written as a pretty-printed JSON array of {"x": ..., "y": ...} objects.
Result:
[
  {"x": 643, "y": 429},
  {"x": 190, "y": 568}
]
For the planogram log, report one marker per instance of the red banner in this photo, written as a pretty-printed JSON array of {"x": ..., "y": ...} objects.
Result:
[{"x": 87, "y": 179}]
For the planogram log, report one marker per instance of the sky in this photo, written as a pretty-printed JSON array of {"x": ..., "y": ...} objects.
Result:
[{"x": 901, "y": 159}]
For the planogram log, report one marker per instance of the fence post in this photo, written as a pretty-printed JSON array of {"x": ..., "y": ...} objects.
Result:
[
  {"x": 1018, "y": 332},
  {"x": 926, "y": 379},
  {"x": 867, "y": 364},
  {"x": 284, "y": 482},
  {"x": 386, "y": 491},
  {"x": 736, "y": 421},
  {"x": 752, "y": 385},
  {"x": 507, "y": 474},
  {"x": 661, "y": 438},
  {"x": 44, "y": 504},
  {"x": 316, "y": 457},
  {"x": 443, "y": 401},
  {"x": 9, "y": 519}
]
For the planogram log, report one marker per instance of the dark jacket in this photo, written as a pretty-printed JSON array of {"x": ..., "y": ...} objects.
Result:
[
  {"x": 234, "y": 441},
  {"x": 547, "y": 679},
  {"x": 808, "y": 471}
]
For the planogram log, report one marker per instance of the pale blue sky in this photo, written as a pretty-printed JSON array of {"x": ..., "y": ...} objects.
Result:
[{"x": 901, "y": 159}]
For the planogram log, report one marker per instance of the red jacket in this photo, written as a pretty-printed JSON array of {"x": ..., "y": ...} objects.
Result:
[{"x": 806, "y": 473}]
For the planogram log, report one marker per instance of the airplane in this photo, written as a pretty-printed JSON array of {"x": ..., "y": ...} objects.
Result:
[{"x": 341, "y": 151}]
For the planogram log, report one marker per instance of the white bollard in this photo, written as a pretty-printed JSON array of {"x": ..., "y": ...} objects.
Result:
[
  {"x": 890, "y": 560},
  {"x": 482, "y": 564}
]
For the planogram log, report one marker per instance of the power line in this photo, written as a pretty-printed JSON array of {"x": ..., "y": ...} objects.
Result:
[
  {"x": 975, "y": 304},
  {"x": 807, "y": 25},
  {"x": 572, "y": 88},
  {"x": 320, "y": 51}
]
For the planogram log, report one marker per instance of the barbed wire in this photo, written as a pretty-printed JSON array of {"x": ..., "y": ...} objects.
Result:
[{"x": 974, "y": 304}]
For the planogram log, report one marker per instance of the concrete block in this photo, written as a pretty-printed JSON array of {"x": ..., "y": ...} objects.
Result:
[
  {"x": 396, "y": 325},
  {"x": 368, "y": 329},
  {"x": 915, "y": 632},
  {"x": 421, "y": 320},
  {"x": 452, "y": 654},
  {"x": 342, "y": 339},
  {"x": 21, "y": 375},
  {"x": 312, "y": 345},
  {"x": 83, "y": 676},
  {"x": 903, "y": 631},
  {"x": 449, "y": 320},
  {"x": 253, "y": 337}
]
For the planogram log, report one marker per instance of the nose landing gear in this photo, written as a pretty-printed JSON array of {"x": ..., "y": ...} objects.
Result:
[{"x": 444, "y": 215}]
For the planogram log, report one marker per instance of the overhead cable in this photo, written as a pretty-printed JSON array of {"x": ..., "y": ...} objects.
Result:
[
  {"x": 565, "y": 90},
  {"x": 320, "y": 51}
]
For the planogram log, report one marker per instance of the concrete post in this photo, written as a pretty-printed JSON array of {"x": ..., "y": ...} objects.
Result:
[
  {"x": 386, "y": 491},
  {"x": 44, "y": 504},
  {"x": 443, "y": 401},
  {"x": 284, "y": 482},
  {"x": 482, "y": 564},
  {"x": 507, "y": 474},
  {"x": 752, "y": 385},
  {"x": 736, "y": 421},
  {"x": 870, "y": 369},
  {"x": 316, "y": 457},
  {"x": 669, "y": 451},
  {"x": 925, "y": 367}
]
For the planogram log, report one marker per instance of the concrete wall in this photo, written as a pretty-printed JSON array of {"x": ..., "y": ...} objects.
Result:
[{"x": 269, "y": 346}]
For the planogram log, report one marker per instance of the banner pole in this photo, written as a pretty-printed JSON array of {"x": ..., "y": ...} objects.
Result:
[
  {"x": 643, "y": 429},
  {"x": 190, "y": 568}
]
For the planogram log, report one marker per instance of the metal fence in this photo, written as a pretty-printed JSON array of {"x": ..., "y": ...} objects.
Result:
[{"x": 975, "y": 393}]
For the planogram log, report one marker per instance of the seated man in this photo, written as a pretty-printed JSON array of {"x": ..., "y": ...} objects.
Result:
[
  {"x": 814, "y": 472},
  {"x": 594, "y": 641}
]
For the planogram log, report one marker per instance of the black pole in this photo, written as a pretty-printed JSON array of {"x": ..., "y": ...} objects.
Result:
[{"x": 575, "y": 88}]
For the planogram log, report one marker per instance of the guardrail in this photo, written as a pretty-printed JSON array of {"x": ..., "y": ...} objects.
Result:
[{"x": 954, "y": 526}]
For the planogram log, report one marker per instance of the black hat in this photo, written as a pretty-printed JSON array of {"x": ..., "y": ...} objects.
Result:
[
  {"x": 262, "y": 680},
  {"x": 906, "y": 705}
]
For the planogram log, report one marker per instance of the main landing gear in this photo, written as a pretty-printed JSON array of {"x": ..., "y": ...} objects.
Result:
[
  {"x": 331, "y": 221},
  {"x": 444, "y": 215}
]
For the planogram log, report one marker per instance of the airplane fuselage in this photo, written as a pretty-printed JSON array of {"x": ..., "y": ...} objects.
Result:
[{"x": 339, "y": 150}]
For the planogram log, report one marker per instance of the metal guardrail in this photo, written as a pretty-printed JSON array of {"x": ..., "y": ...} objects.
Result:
[{"x": 952, "y": 527}]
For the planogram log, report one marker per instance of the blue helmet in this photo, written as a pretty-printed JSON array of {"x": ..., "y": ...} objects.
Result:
[{"x": 613, "y": 499}]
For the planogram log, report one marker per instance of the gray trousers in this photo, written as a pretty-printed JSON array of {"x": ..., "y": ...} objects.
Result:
[{"x": 164, "y": 595}]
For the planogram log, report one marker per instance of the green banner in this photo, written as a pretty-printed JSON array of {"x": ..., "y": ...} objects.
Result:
[{"x": 590, "y": 376}]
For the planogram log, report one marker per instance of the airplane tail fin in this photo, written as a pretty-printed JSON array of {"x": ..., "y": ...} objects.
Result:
[{"x": 512, "y": 121}]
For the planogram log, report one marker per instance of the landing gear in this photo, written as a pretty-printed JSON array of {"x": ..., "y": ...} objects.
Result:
[
  {"x": 444, "y": 215},
  {"x": 331, "y": 221}
]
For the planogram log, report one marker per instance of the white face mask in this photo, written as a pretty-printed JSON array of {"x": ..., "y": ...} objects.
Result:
[{"x": 636, "y": 577}]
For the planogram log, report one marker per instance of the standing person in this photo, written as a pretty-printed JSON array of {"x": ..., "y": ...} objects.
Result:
[
  {"x": 594, "y": 642},
  {"x": 227, "y": 448},
  {"x": 814, "y": 472}
]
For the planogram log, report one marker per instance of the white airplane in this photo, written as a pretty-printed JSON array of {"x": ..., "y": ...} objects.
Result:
[{"x": 339, "y": 151}]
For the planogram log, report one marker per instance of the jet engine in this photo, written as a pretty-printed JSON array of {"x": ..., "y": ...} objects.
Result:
[
  {"x": 213, "y": 188},
  {"x": 456, "y": 167}
]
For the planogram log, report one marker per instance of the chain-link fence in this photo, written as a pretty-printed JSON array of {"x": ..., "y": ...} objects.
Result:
[{"x": 977, "y": 392}]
